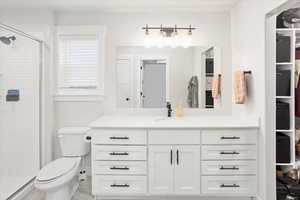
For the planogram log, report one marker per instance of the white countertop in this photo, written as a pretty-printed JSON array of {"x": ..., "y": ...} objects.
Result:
[{"x": 183, "y": 122}]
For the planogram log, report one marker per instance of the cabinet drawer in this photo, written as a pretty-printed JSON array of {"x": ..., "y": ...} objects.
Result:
[
  {"x": 239, "y": 136},
  {"x": 102, "y": 152},
  {"x": 119, "y": 185},
  {"x": 228, "y": 152},
  {"x": 120, "y": 167},
  {"x": 174, "y": 137},
  {"x": 229, "y": 185},
  {"x": 126, "y": 137},
  {"x": 228, "y": 167}
]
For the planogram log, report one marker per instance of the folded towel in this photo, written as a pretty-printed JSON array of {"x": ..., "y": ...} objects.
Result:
[
  {"x": 240, "y": 87},
  {"x": 216, "y": 86}
]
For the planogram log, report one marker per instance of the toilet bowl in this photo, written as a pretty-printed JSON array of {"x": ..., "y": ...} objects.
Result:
[{"x": 59, "y": 178}]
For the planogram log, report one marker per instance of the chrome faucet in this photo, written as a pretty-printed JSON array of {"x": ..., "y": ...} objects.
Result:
[{"x": 169, "y": 107}]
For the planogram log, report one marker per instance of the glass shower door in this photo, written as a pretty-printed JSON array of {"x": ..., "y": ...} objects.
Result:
[{"x": 19, "y": 119}]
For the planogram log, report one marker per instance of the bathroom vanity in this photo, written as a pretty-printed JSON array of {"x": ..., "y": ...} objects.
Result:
[{"x": 147, "y": 156}]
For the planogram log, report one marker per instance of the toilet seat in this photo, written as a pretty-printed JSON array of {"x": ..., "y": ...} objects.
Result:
[{"x": 57, "y": 169}]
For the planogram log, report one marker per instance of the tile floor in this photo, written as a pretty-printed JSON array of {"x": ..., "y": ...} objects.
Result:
[{"x": 83, "y": 193}]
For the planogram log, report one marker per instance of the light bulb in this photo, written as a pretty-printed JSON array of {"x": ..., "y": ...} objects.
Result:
[
  {"x": 160, "y": 42},
  {"x": 147, "y": 41},
  {"x": 187, "y": 40}
]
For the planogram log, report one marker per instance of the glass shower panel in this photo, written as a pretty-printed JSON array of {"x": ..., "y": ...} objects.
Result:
[{"x": 19, "y": 119}]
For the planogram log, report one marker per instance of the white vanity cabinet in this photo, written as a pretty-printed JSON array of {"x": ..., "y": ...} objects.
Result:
[
  {"x": 169, "y": 161},
  {"x": 119, "y": 161},
  {"x": 228, "y": 162},
  {"x": 174, "y": 169}
]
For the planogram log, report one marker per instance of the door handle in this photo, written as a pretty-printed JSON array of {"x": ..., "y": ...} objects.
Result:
[
  {"x": 177, "y": 154},
  {"x": 171, "y": 157}
]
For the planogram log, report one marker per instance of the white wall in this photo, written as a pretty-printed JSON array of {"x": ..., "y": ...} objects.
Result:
[
  {"x": 248, "y": 19},
  {"x": 125, "y": 29}
]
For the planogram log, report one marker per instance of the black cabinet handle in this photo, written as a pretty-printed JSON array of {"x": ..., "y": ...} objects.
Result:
[
  {"x": 229, "y": 168},
  {"x": 229, "y": 153},
  {"x": 230, "y": 138},
  {"x": 171, "y": 156},
  {"x": 119, "y": 153},
  {"x": 177, "y": 153},
  {"x": 229, "y": 186},
  {"x": 119, "y": 168},
  {"x": 119, "y": 185},
  {"x": 119, "y": 138}
]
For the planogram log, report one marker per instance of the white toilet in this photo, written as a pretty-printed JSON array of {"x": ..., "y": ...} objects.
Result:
[{"x": 59, "y": 178}]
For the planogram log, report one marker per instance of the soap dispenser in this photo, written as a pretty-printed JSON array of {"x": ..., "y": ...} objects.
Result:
[{"x": 179, "y": 109}]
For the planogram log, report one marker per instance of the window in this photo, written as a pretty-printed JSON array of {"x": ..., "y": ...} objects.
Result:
[{"x": 80, "y": 56}]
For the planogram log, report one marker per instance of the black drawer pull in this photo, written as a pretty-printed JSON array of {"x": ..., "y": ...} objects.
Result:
[
  {"x": 229, "y": 168},
  {"x": 230, "y": 138},
  {"x": 119, "y": 153},
  {"x": 119, "y": 138},
  {"x": 229, "y": 153},
  {"x": 119, "y": 168},
  {"x": 229, "y": 186},
  {"x": 119, "y": 185},
  {"x": 177, "y": 153},
  {"x": 171, "y": 156}
]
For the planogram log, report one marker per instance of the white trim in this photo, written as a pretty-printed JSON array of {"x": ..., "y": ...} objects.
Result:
[{"x": 100, "y": 33}]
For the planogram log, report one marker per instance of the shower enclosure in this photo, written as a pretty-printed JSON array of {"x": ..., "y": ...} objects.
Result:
[{"x": 20, "y": 110}]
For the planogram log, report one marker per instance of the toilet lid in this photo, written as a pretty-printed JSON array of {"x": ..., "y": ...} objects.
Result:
[{"x": 56, "y": 169}]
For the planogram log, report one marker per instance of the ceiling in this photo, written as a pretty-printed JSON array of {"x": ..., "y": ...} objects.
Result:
[{"x": 123, "y": 5}]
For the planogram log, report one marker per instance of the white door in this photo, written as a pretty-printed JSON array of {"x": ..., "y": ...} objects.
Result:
[
  {"x": 161, "y": 169},
  {"x": 154, "y": 85},
  {"x": 124, "y": 82},
  {"x": 187, "y": 169}
]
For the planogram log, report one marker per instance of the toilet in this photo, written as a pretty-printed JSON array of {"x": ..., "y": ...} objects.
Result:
[{"x": 59, "y": 178}]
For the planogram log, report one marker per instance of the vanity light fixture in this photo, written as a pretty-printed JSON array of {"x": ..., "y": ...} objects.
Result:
[{"x": 168, "y": 36}]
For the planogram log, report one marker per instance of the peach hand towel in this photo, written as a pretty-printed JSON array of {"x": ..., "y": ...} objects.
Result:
[
  {"x": 240, "y": 87},
  {"x": 216, "y": 86}
]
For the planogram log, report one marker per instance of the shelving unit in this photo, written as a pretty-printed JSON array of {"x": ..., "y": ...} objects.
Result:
[
  {"x": 289, "y": 99},
  {"x": 208, "y": 57}
]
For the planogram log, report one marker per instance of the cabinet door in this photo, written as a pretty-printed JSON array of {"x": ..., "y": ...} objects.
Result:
[
  {"x": 161, "y": 169},
  {"x": 187, "y": 169}
]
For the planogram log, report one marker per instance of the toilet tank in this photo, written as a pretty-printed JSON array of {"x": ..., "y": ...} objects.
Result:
[{"x": 73, "y": 141}]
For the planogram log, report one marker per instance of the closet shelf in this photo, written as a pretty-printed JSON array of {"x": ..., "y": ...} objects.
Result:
[
  {"x": 283, "y": 97},
  {"x": 285, "y": 164},
  {"x": 284, "y": 131},
  {"x": 285, "y": 63}
]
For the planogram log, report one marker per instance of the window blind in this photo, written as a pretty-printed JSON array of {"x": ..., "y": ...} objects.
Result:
[{"x": 78, "y": 61}]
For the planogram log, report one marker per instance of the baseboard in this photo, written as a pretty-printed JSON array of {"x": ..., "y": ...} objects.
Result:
[{"x": 24, "y": 191}]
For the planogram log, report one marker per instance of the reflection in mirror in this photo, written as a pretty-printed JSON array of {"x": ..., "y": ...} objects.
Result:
[{"x": 151, "y": 77}]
